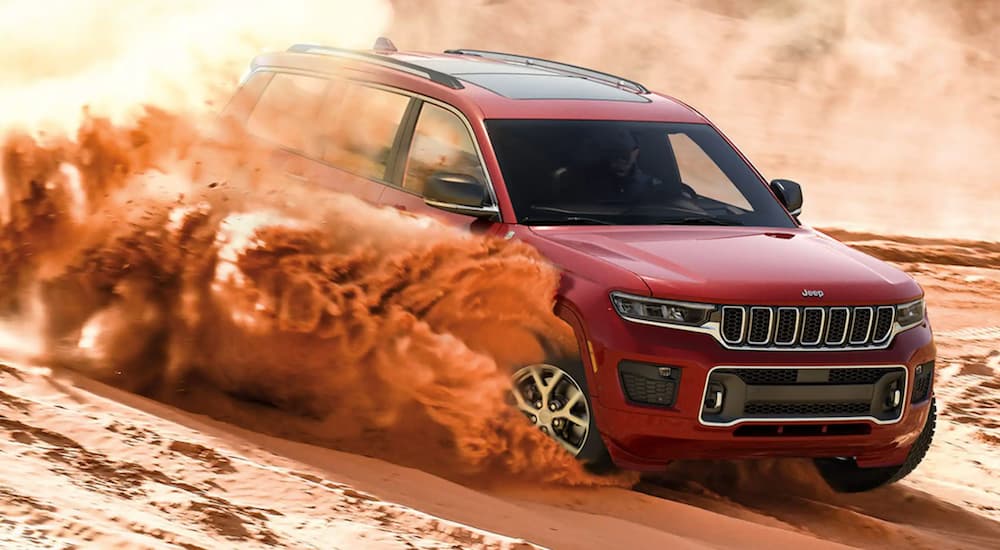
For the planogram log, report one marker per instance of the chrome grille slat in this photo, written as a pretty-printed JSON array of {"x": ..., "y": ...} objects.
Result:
[
  {"x": 734, "y": 324},
  {"x": 861, "y": 327},
  {"x": 839, "y": 321},
  {"x": 813, "y": 321},
  {"x": 761, "y": 326},
  {"x": 786, "y": 328},
  {"x": 806, "y": 327},
  {"x": 884, "y": 320}
]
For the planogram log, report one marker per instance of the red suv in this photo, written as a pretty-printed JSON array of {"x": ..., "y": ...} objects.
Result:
[{"x": 711, "y": 323}]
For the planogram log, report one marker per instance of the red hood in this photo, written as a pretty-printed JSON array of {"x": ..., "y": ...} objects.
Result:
[{"x": 737, "y": 265}]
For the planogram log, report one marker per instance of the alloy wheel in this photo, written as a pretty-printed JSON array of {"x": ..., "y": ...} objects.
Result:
[{"x": 553, "y": 401}]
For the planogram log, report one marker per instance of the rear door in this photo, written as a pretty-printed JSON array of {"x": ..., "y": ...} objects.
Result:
[
  {"x": 327, "y": 133},
  {"x": 436, "y": 140}
]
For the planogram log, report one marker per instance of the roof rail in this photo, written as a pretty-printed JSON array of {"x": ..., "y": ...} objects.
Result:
[
  {"x": 557, "y": 66},
  {"x": 382, "y": 61}
]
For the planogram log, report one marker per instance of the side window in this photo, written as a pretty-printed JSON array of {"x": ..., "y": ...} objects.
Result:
[
  {"x": 359, "y": 127},
  {"x": 441, "y": 143},
  {"x": 245, "y": 98},
  {"x": 699, "y": 171},
  {"x": 287, "y": 110}
]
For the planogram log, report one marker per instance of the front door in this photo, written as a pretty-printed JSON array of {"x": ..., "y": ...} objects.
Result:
[{"x": 441, "y": 142}]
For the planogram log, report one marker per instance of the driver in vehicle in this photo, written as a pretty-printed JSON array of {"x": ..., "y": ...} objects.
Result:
[{"x": 609, "y": 169}]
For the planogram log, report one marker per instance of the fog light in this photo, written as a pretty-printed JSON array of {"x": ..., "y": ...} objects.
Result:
[
  {"x": 894, "y": 396},
  {"x": 715, "y": 397}
]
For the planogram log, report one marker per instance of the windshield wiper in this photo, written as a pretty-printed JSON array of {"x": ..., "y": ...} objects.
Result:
[
  {"x": 567, "y": 220},
  {"x": 696, "y": 220}
]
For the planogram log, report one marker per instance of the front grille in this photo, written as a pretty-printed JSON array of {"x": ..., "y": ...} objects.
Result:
[
  {"x": 837, "y": 376},
  {"x": 771, "y": 394},
  {"x": 763, "y": 327},
  {"x": 816, "y": 410},
  {"x": 859, "y": 375},
  {"x": 764, "y": 377}
]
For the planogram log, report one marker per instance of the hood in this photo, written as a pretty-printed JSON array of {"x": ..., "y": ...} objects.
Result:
[{"x": 736, "y": 265}]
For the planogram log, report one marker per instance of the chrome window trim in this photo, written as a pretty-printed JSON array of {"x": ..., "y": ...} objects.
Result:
[
  {"x": 868, "y": 331},
  {"x": 795, "y": 331},
  {"x": 478, "y": 209},
  {"x": 902, "y": 407},
  {"x": 822, "y": 325}
]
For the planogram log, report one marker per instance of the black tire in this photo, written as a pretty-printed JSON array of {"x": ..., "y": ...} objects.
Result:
[
  {"x": 845, "y": 476},
  {"x": 593, "y": 454}
]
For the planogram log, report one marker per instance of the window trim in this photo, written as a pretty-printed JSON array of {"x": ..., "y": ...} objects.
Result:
[
  {"x": 404, "y": 133},
  {"x": 408, "y": 139}
]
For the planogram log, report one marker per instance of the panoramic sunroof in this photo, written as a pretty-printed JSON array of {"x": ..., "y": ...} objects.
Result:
[{"x": 548, "y": 86}]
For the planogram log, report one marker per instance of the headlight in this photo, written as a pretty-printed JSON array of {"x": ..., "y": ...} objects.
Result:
[
  {"x": 638, "y": 308},
  {"x": 910, "y": 315}
]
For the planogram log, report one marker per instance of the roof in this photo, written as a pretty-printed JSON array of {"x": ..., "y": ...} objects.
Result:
[
  {"x": 507, "y": 85},
  {"x": 515, "y": 81}
]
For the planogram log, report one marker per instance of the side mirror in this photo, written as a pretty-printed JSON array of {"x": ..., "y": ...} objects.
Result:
[
  {"x": 790, "y": 194},
  {"x": 458, "y": 193}
]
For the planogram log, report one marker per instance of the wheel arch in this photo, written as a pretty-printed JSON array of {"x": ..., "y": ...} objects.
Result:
[{"x": 570, "y": 314}]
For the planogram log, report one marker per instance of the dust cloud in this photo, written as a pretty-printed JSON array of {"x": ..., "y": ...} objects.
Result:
[
  {"x": 886, "y": 111},
  {"x": 115, "y": 55},
  {"x": 367, "y": 318},
  {"x": 150, "y": 245}
]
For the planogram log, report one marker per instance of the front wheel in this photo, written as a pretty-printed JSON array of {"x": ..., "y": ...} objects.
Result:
[
  {"x": 845, "y": 476},
  {"x": 553, "y": 396}
]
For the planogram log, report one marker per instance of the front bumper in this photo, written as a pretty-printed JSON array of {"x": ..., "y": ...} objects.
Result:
[{"x": 647, "y": 437}]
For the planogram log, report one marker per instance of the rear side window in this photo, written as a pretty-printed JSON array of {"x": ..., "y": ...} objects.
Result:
[
  {"x": 245, "y": 98},
  {"x": 287, "y": 111},
  {"x": 359, "y": 126},
  {"x": 441, "y": 143}
]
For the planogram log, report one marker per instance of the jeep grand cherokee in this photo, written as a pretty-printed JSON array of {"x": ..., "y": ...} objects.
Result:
[{"x": 711, "y": 323}]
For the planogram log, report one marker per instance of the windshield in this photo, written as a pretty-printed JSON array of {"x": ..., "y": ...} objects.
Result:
[{"x": 562, "y": 172}]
